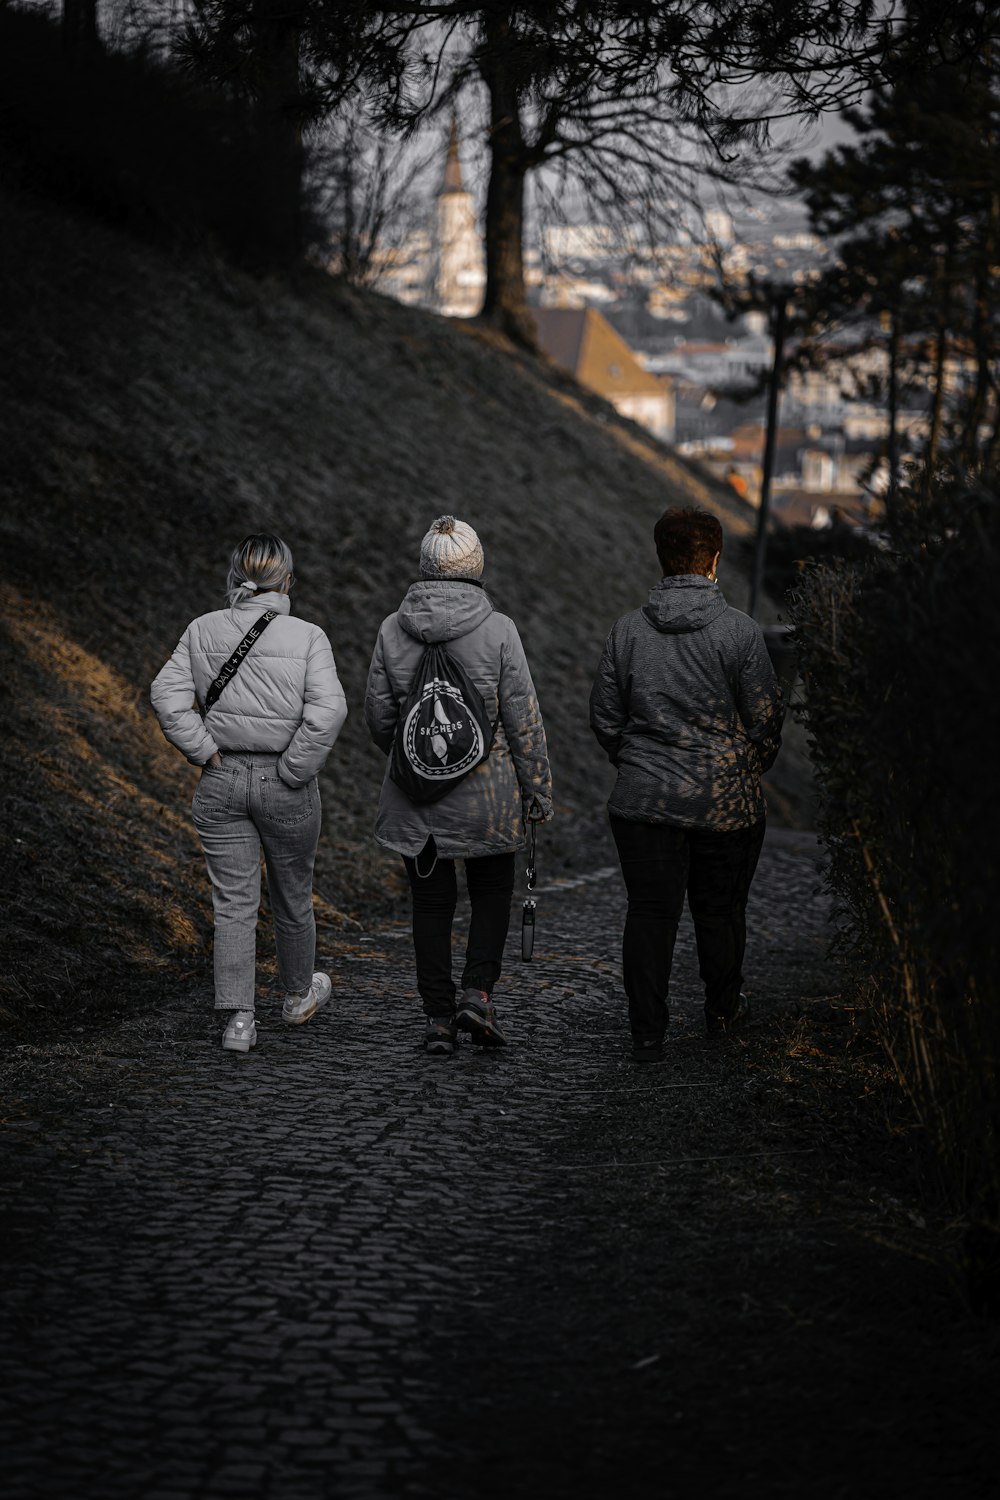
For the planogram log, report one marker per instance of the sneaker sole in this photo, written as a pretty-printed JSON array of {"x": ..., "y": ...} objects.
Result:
[
  {"x": 306, "y": 1015},
  {"x": 238, "y": 1046},
  {"x": 439, "y": 1049},
  {"x": 480, "y": 1032}
]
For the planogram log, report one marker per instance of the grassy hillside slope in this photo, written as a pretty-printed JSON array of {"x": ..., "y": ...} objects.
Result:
[{"x": 152, "y": 413}]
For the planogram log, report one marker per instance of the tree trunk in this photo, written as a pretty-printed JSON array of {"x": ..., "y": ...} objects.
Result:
[
  {"x": 79, "y": 29},
  {"x": 937, "y": 408},
  {"x": 779, "y": 326},
  {"x": 982, "y": 325},
  {"x": 993, "y": 441},
  {"x": 940, "y": 358},
  {"x": 278, "y": 231},
  {"x": 983, "y": 314},
  {"x": 350, "y": 258},
  {"x": 505, "y": 303},
  {"x": 893, "y": 414}
]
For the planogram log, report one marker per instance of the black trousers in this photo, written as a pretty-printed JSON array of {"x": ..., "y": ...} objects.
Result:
[
  {"x": 490, "y": 881},
  {"x": 661, "y": 864}
]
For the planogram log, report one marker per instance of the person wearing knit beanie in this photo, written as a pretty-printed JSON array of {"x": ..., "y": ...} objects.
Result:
[
  {"x": 444, "y": 643},
  {"x": 451, "y": 549}
]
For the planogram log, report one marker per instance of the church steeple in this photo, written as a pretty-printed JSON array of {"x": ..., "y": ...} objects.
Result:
[
  {"x": 457, "y": 253},
  {"x": 452, "y": 182}
]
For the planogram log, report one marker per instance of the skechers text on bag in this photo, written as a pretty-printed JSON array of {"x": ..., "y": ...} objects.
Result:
[{"x": 444, "y": 731}]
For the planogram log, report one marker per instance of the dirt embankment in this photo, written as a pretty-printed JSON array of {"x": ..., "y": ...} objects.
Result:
[{"x": 153, "y": 411}]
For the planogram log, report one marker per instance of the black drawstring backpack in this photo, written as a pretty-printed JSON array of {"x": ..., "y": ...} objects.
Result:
[{"x": 444, "y": 731}]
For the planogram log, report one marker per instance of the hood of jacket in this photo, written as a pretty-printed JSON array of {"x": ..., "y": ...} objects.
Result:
[
  {"x": 442, "y": 609},
  {"x": 685, "y": 603}
]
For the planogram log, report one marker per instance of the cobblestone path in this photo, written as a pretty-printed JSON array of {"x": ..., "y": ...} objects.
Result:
[{"x": 338, "y": 1268}]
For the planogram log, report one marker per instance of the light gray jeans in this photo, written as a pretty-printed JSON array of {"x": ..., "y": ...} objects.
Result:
[{"x": 239, "y": 810}]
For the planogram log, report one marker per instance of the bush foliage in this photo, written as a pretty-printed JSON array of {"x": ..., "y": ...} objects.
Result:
[
  {"x": 899, "y": 662},
  {"x": 791, "y": 549}
]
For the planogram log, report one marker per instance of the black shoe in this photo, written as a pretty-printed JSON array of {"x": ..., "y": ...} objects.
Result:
[
  {"x": 441, "y": 1034},
  {"x": 647, "y": 1052},
  {"x": 477, "y": 1016},
  {"x": 726, "y": 1025}
]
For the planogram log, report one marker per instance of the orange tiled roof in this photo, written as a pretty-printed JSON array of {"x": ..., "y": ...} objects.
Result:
[{"x": 581, "y": 340}]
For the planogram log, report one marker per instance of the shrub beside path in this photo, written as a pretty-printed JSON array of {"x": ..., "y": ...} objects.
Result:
[{"x": 337, "y": 1267}]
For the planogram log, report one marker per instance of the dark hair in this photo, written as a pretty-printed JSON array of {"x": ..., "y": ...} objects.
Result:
[{"x": 686, "y": 540}]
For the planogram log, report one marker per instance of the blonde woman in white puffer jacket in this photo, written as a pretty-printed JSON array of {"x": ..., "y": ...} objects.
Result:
[{"x": 260, "y": 747}]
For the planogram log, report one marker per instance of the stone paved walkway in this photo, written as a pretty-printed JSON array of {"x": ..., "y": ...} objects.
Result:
[{"x": 337, "y": 1267}]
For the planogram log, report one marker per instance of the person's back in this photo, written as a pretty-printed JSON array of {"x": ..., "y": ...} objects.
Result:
[
  {"x": 251, "y": 695},
  {"x": 687, "y": 707},
  {"x": 700, "y": 722},
  {"x": 481, "y": 819},
  {"x": 286, "y": 696},
  {"x": 483, "y": 815}
]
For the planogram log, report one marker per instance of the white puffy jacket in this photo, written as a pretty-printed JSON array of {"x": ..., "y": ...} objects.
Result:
[{"x": 285, "y": 698}]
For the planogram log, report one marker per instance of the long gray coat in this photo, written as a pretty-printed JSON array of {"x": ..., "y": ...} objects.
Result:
[
  {"x": 485, "y": 813},
  {"x": 688, "y": 708}
]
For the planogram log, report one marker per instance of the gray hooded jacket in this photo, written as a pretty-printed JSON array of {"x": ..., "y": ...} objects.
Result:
[
  {"x": 485, "y": 813},
  {"x": 688, "y": 708}
]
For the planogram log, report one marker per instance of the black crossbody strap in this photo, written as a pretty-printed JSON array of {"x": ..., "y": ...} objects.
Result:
[{"x": 234, "y": 663}]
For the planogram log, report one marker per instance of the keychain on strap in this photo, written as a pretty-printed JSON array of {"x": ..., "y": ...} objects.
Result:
[{"x": 528, "y": 905}]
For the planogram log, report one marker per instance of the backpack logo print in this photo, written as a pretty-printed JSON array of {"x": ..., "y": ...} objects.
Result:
[{"x": 441, "y": 739}]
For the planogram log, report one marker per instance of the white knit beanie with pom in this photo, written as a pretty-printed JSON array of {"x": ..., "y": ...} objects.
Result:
[{"x": 451, "y": 549}]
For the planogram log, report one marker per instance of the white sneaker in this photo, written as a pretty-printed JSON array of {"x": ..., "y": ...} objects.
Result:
[
  {"x": 241, "y": 1033},
  {"x": 299, "y": 1008}
]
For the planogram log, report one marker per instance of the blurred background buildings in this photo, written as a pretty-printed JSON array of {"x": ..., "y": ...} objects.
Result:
[{"x": 651, "y": 334}]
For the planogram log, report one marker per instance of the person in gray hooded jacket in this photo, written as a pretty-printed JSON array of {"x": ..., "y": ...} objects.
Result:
[
  {"x": 688, "y": 709},
  {"x": 481, "y": 819}
]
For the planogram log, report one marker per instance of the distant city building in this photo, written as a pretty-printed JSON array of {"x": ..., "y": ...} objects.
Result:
[
  {"x": 802, "y": 240},
  {"x": 564, "y": 242},
  {"x": 584, "y": 343},
  {"x": 457, "y": 273},
  {"x": 645, "y": 331},
  {"x": 717, "y": 363},
  {"x": 574, "y": 291},
  {"x": 719, "y": 224},
  {"x": 439, "y": 264},
  {"x": 403, "y": 269}
]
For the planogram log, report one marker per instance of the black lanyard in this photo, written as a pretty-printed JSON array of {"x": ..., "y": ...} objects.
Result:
[
  {"x": 234, "y": 663},
  {"x": 529, "y": 904}
]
